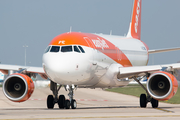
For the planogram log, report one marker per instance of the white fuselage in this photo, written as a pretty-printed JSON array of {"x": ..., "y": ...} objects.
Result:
[{"x": 93, "y": 68}]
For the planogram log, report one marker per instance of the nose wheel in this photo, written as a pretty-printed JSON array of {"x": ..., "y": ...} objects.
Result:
[
  {"x": 73, "y": 104},
  {"x": 71, "y": 94},
  {"x": 61, "y": 101},
  {"x": 67, "y": 104}
]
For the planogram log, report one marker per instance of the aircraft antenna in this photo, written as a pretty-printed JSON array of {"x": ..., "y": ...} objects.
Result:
[
  {"x": 110, "y": 32},
  {"x": 70, "y": 29},
  {"x": 25, "y": 46}
]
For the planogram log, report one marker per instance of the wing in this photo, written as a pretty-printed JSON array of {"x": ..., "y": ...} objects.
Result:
[
  {"x": 141, "y": 70},
  {"x": 28, "y": 69},
  {"x": 163, "y": 50}
]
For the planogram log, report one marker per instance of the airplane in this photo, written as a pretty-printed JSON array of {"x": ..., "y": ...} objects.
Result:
[{"x": 84, "y": 60}]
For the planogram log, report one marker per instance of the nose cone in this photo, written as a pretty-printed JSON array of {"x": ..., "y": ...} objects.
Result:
[{"x": 66, "y": 68}]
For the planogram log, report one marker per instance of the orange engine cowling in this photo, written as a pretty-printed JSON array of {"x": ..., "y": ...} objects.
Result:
[
  {"x": 162, "y": 85},
  {"x": 18, "y": 87}
]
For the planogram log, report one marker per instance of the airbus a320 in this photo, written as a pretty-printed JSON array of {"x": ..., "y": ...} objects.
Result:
[{"x": 85, "y": 60}]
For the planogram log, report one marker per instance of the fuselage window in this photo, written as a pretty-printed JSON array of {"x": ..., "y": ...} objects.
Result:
[
  {"x": 47, "y": 49},
  {"x": 82, "y": 50},
  {"x": 55, "y": 49},
  {"x": 76, "y": 49},
  {"x": 66, "y": 49}
]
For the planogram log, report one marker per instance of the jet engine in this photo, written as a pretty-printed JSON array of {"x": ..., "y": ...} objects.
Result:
[
  {"x": 18, "y": 87},
  {"x": 162, "y": 85}
]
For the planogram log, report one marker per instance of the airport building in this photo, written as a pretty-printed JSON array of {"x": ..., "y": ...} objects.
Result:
[{"x": 1, "y": 77}]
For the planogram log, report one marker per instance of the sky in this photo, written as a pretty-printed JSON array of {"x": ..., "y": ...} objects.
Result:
[{"x": 36, "y": 22}]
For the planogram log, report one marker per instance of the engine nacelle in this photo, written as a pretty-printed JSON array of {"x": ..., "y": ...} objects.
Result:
[
  {"x": 162, "y": 85},
  {"x": 18, "y": 87}
]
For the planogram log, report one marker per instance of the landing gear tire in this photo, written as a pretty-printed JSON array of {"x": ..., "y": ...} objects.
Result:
[
  {"x": 73, "y": 104},
  {"x": 154, "y": 103},
  {"x": 67, "y": 104},
  {"x": 50, "y": 102},
  {"x": 143, "y": 101},
  {"x": 61, "y": 102}
]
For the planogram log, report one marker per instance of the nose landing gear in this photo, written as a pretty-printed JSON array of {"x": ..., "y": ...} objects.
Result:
[
  {"x": 62, "y": 102},
  {"x": 73, "y": 102}
]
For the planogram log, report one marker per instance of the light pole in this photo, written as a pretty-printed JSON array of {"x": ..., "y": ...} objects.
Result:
[{"x": 25, "y": 46}]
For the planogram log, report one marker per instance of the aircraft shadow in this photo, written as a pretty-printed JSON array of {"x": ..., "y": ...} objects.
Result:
[{"x": 80, "y": 108}]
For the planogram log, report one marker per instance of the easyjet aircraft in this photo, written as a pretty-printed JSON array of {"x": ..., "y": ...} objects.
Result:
[{"x": 84, "y": 60}]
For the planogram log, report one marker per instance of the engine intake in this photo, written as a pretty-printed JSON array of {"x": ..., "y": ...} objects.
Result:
[
  {"x": 18, "y": 87},
  {"x": 162, "y": 85}
]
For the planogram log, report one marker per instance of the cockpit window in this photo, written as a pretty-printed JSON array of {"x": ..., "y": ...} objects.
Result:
[
  {"x": 82, "y": 50},
  {"x": 47, "y": 49},
  {"x": 66, "y": 49},
  {"x": 76, "y": 49},
  {"x": 55, "y": 49}
]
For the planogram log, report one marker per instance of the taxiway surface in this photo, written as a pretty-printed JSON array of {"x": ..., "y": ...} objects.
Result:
[{"x": 93, "y": 104}]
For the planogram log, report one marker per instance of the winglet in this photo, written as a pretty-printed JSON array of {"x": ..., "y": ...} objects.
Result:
[{"x": 135, "y": 25}]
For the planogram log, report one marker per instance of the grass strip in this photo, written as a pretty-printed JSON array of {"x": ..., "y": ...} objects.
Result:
[{"x": 136, "y": 90}]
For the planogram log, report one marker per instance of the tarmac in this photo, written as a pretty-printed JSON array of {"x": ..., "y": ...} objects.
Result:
[{"x": 95, "y": 104}]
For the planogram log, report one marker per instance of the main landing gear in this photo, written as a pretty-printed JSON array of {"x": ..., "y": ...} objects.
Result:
[
  {"x": 61, "y": 101},
  {"x": 145, "y": 99}
]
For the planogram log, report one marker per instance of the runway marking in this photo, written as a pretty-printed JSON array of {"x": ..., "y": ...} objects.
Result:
[
  {"x": 164, "y": 110},
  {"x": 115, "y": 106},
  {"x": 76, "y": 99},
  {"x": 119, "y": 106},
  {"x": 37, "y": 99},
  {"x": 91, "y": 100},
  {"x": 94, "y": 117},
  {"x": 168, "y": 111}
]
